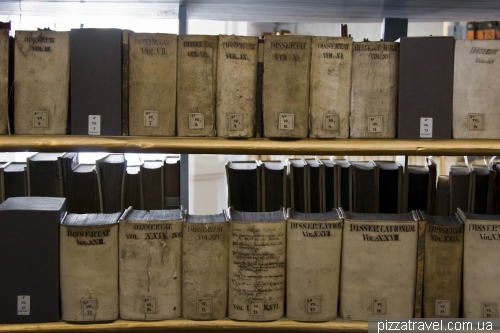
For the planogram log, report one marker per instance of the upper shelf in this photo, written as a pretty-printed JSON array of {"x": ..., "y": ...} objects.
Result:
[
  {"x": 266, "y": 10},
  {"x": 124, "y": 144}
]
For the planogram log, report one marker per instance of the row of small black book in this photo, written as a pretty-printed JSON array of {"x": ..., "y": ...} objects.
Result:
[
  {"x": 123, "y": 83},
  {"x": 319, "y": 185},
  {"x": 107, "y": 186},
  {"x": 156, "y": 265}
]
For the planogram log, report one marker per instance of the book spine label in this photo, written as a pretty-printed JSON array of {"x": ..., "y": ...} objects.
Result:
[
  {"x": 257, "y": 270},
  {"x": 476, "y": 93},
  {"x": 205, "y": 270},
  {"x": 4, "y": 81},
  {"x": 287, "y": 62},
  {"x": 153, "y": 80},
  {"x": 331, "y": 65},
  {"x": 386, "y": 252},
  {"x": 196, "y": 84},
  {"x": 89, "y": 273},
  {"x": 42, "y": 82},
  {"x": 236, "y": 93},
  {"x": 443, "y": 271},
  {"x": 316, "y": 248},
  {"x": 373, "y": 111},
  {"x": 150, "y": 270}
]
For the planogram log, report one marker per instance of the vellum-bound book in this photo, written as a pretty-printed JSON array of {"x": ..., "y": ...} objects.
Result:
[
  {"x": 257, "y": 249},
  {"x": 4, "y": 81},
  {"x": 314, "y": 244},
  {"x": 481, "y": 295},
  {"x": 286, "y": 86},
  {"x": 41, "y": 85},
  {"x": 89, "y": 267},
  {"x": 205, "y": 250},
  {"x": 476, "y": 92},
  {"x": 379, "y": 266},
  {"x": 150, "y": 264},
  {"x": 374, "y": 90},
  {"x": 331, "y": 66},
  {"x": 152, "y": 83},
  {"x": 196, "y": 84},
  {"x": 236, "y": 85}
]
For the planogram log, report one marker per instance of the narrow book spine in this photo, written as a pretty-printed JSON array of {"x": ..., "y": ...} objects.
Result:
[{"x": 4, "y": 81}]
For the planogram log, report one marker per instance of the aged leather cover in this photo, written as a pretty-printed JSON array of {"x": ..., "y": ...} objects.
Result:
[
  {"x": 274, "y": 191},
  {"x": 425, "y": 87},
  {"x": 363, "y": 176},
  {"x": 332, "y": 183},
  {"x": 286, "y": 86},
  {"x": 41, "y": 82},
  {"x": 330, "y": 92},
  {"x": 29, "y": 248},
  {"x": 374, "y": 90},
  {"x": 4, "y": 81},
  {"x": 14, "y": 180},
  {"x": 298, "y": 171},
  {"x": 152, "y": 83},
  {"x": 442, "y": 207},
  {"x": 151, "y": 179},
  {"x": 391, "y": 187},
  {"x": 462, "y": 181},
  {"x": 96, "y": 81},
  {"x": 316, "y": 186},
  {"x": 314, "y": 242},
  {"x": 205, "y": 251},
  {"x": 85, "y": 190},
  {"x": 172, "y": 183},
  {"x": 236, "y": 85},
  {"x": 150, "y": 264},
  {"x": 110, "y": 172},
  {"x": 244, "y": 186},
  {"x": 482, "y": 197},
  {"x": 344, "y": 184},
  {"x": 45, "y": 176}
]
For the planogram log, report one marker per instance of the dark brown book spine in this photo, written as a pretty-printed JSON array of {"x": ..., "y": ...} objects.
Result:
[
  {"x": 172, "y": 185},
  {"x": 125, "y": 71},
  {"x": 259, "y": 126}
]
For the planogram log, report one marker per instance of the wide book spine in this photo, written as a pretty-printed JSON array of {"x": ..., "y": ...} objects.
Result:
[
  {"x": 331, "y": 65},
  {"x": 41, "y": 86},
  {"x": 4, "y": 81}
]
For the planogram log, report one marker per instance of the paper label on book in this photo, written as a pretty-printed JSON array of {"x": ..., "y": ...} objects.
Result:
[
  {"x": 426, "y": 127},
  {"x": 150, "y": 118},
  {"x": 235, "y": 122},
  {"x": 204, "y": 305},
  {"x": 23, "y": 305},
  {"x": 255, "y": 307},
  {"x": 313, "y": 304},
  {"x": 375, "y": 124},
  {"x": 150, "y": 305},
  {"x": 330, "y": 122},
  {"x": 489, "y": 310},
  {"x": 89, "y": 308},
  {"x": 379, "y": 306},
  {"x": 476, "y": 121},
  {"x": 286, "y": 121},
  {"x": 196, "y": 121},
  {"x": 443, "y": 307},
  {"x": 94, "y": 125},
  {"x": 41, "y": 119}
]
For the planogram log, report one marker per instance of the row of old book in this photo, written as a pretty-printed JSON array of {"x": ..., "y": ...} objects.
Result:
[
  {"x": 320, "y": 185},
  {"x": 114, "y": 82},
  {"x": 483, "y": 30},
  {"x": 107, "y": 186},
  {"x": 156, "y": 265}
]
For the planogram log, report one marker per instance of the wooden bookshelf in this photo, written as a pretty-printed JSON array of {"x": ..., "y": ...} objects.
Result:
[{"x": 67, "y": 143}]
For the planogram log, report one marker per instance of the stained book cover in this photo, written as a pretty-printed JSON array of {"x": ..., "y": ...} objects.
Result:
[
  {"x": 196, "y": 85},
  {"x": 152, "y": 83},
  {"x": 4, "y": 81},
  {"x": 236, "y": 86},
  {"x": 41, "y": 97},
  {"x": 205, "y": 251},
  {"x": 257, "y": 251},
  {"x": 476, "y": 92},
  {"x": 286, "y": 86},
  {"x": 382, "y": 247},
  {"x": 374, "y": 90},
  {"x": 330, "y": 92},
  {"x": 314, "y": 242},
  {"x": 150, "y": 264}
]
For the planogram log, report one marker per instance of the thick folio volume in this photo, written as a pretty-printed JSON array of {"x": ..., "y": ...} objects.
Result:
[
  {"x": 331, "y": 66},
  {"x": 374, "y": 90},
  {"x": 152, "y": 83},
  {"x": 89, "y": 267},
  {"x": 236, "y": 86},
  {"x": 205, "y": 250},
  {"x": 196, "y": 84},
  {"x": 314, "y": 242},
  {"x": 150, "y": 264},
  {"x": 4, "y": 81},
  {"x": 287, "y": 62},
  {"x": 476, "y": 92},
  {"x": 41, "y": 82},
  {"x": 257, "y": 249}
]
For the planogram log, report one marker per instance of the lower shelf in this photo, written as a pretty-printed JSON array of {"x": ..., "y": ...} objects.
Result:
[{"x": 183, "y": 325}]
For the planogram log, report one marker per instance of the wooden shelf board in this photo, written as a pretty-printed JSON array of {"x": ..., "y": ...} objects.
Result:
[
  {"x": 68, "y": 143},
  {"x": 183, "y": 325}
]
